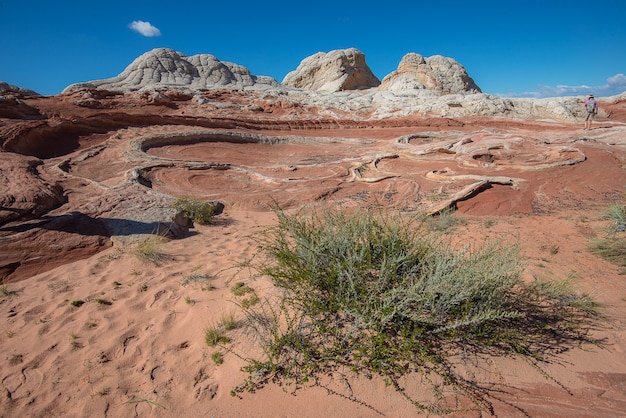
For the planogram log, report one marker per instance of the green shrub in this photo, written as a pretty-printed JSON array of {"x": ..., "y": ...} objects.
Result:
[
  {"x": 381, "y": 294},
  {"x": 196, "y": 210}
]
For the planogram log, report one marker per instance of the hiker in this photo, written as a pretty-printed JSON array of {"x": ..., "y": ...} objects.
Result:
[{"x": 592, "y": 109}]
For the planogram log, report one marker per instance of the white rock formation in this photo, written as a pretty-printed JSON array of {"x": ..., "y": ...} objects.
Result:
[
  {"x": 338, "y": 70},
  {"x": 164, "y": 67},
  {"x": 337, "y": 82},
  {"x": 437, "y": 74}
]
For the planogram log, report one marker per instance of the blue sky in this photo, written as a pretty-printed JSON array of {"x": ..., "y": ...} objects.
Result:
[{"x": 510, "y": 48}]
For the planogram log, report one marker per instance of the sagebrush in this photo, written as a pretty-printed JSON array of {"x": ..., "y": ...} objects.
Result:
[{"x": 379, "y": 293}]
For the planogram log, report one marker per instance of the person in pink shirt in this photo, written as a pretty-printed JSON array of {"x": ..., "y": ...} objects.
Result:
[{"x": 591, "y": 106}]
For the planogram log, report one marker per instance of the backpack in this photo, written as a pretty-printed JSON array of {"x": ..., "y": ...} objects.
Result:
[{"x": 591, "y": 106}]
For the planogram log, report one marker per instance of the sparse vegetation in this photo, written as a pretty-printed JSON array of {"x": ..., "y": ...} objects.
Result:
[
  {"x": 104, "y": 391},
  {"x": 77, "y": 303},
  {"x": 616, "y": 213},
  {"x": 444, "y": 221},
  {"x": 488, "y": 223},
  {"x": 217, "y": 357},
  {"x": 197, "y": 210},
  {"x": 196, "y": 277},
  {"x": 214, "y": 336},
  {"x": 381, "y": 294},
  {"x": 101, "y": 301},
  {"x": 150, "y": 250},
  {"x": 228, "y": 322},
  {"x": 249, "y": 301},
  {"x": 240, "y": 289},
  {"x": 6, "y": 291},
  {"x": 612, "y": 247}
]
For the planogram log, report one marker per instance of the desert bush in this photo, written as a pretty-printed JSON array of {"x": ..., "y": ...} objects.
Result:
[
  {"x": 195, "y": 209},
  {"x": 379, "y": 293}
]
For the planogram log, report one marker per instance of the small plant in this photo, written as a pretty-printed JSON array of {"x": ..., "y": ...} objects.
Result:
[
  {"x": 74, "y": 341},
  {"x": 228, "y": 322},
  {"x": 208, "y": 287},
  {"x": 488, "y": 223},
  {"x": 611, "y": 248},
  {"x": 5, "y": 291},
  {"x": 617, "y": 214},
  {"x": 150, "y": 250},
  {"x": 217, "y": 357},
  {"x": 214, "y": 336},
  {"x": 189, "y": 301},
  {"x": 249, "y": 301},
  {"x": 554, "y": 249},
  {"x": 143, "y": 287},
  {"x": 240, "y": 289},
  {"x": 104, "y": 391},
  {"x": 101, "y": 301},
  {"x": 77, "y": 303},
  {"x": 195, "y": 209},
  {"x": 116, "y": 284}
]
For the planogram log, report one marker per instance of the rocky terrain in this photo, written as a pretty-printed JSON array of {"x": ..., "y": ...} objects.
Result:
[{"x": 88, "y": 174}]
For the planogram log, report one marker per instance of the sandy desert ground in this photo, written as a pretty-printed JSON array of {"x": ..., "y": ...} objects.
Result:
[{"x": 136, "y": 346}]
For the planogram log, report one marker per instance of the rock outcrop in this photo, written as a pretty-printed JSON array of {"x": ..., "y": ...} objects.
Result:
[
  {"x": 438, "y": 74},
  {"x": 10, "y": 88},
  {"x": 24, "y": 193},
  {"x": 166, "y": 68},
  {"x": 342, "y": 69}
]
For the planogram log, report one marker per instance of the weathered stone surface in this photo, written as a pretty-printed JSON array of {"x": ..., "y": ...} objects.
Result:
[
  {"x": 24, "y": 193},
  {"x": 342, "y": 69},
  {"x": 438, "y": 74},
  {"x": 164, "y": 67},
  {"x": 10, "y": 88}
]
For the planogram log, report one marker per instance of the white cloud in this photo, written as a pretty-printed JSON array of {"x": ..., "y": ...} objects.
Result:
[
  {"x": 144, "y": 28},
  {"x": 614, "y": 85}
]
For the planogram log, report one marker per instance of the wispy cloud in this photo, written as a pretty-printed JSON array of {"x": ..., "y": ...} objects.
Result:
[
  {"x": 614, "y": 85},
  {"x": 144, "y": 28}
]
